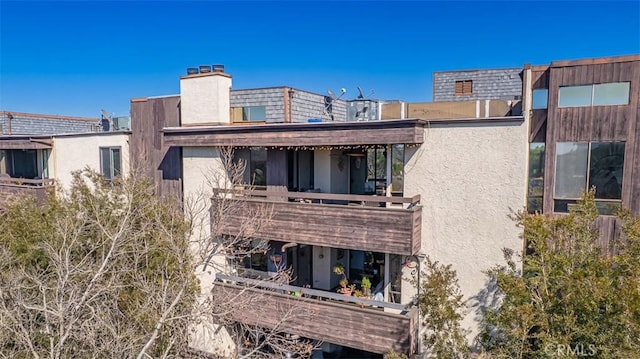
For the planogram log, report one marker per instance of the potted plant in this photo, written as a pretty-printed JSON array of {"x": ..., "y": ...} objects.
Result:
[
  {"x": 345, "y": 287},
  {"x": 366, "y": 286}
]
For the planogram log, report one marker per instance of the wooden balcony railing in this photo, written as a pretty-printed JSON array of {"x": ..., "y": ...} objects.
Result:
[
  {"x": 373, "y": 223},
  {"x": 13, "y": 187},
  {"x": 360, "y": 323}
]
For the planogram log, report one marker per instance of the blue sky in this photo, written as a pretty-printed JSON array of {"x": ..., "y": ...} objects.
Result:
[{"x": 75, "y": 58}]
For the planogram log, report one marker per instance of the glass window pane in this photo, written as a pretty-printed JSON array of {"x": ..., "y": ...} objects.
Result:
[
  {"x": 536, "y": 176},
  {"x": 608, "y": 208},
  {"x": 571, "y": 169},
  {"x": 397, "y": 169},
  {"x": 105, "y": 163},
  {"x": 605, "y": 172},
  {"x": 539, "y": 98},
  {"x": 611, "y": 94},
  {"x": 116, "y": 161},
  {"x": 573, "y": 96},
  {"x": 257, "y": 113},
  {"x": 258, "y": 166}
]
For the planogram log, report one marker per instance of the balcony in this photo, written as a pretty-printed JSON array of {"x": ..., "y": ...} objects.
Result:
[
  {"x": 370, "y": 223},
  {"x": 16, "y": 187},
  {"x": 365, "y": 324}
]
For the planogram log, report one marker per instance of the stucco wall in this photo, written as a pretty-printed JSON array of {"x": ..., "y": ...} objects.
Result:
[
  {"x": 204, "y": 99},
  {"x": 471, "y": 177},
  {"x": 75, "y": 152},
  {"x": 202, "y": 169}
]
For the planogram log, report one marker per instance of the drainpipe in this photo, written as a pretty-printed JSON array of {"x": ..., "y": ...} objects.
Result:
[
  {"x": 9, "y": 118},
  {"x": 418, "y": 259}
]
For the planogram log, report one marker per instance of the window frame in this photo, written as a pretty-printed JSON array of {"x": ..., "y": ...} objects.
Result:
[
  {"x": 599, "y": 201},
  {"x": 463, "y": 86},
  {"x": 239, "y": 114},
  {"x": 593, "y": 94},
  {"x": 112, "y": 175},
  {"x": 533, "y": 99}
]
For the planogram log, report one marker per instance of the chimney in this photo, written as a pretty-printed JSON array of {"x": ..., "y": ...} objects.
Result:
[{"x": 205, "y": 95}]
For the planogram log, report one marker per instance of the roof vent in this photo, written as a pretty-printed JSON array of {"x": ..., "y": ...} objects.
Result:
[
  {"x": 205, "y": 69},
  {"x": 218, "y": 68},
  {"x": 192, "y": 70}
]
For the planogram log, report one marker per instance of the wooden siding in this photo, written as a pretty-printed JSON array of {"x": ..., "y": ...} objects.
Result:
[
  {"x": 149, "y": 155},
  {"x": 15, "y": 187},
  {"x": 331, "y": 321},
  {"x": 359, "y": 226},
  {"x": 25, "y": 143},
  {"x": 596, "y": 123},
  {"x": 299, "y": 135}
]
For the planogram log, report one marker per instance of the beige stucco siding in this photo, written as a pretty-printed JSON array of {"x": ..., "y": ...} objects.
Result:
[
  {"x": 76, "y": 152},
  {"x": 471, "y": 178},
  {"x": 202, "y": 171}
]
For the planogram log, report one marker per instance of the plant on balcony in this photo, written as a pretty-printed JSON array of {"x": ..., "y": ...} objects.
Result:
[
  {"x": 345, "y": 287},
  {"x": 366, "y": 286}
]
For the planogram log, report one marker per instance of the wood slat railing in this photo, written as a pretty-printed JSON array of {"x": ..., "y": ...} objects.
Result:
[
  {"x": 313, "y": 293},
  {"x": 320, "y": 197},
  {"x": 10, "y": 181}
]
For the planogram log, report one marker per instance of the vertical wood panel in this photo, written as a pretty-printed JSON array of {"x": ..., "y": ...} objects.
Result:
[
  {"x": 149, "y": 155},
  {"x": 596, "y": 123}
]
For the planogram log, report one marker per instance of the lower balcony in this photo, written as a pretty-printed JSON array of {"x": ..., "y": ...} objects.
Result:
[
  {"x": 364, "y": 324},
  {"x": 362, "y": 222},
  {"x": 17, "y": 187}
]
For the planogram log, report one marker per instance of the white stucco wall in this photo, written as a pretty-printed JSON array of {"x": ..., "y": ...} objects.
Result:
[
  {"x": 471, "y": 177},
  {"x": 205, "y": 99},
  {"x": 75, "y": 152},
  {"x": 202, "y": 171}
]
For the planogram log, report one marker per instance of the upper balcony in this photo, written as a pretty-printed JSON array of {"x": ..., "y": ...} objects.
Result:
[
  {"x": 361, "y": 222},
  {"x": 15, "y": 187},
  {"x": 365, "y": 324}
]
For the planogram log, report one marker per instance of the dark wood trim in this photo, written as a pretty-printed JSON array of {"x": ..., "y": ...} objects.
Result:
[
  {"x": 25, "y": 144},
  {"x": 596, "y": 124},
  {"x": 299, "y": 134},
  {"x": 257, "y": 194},
  {"x": 596, "y": 61}
]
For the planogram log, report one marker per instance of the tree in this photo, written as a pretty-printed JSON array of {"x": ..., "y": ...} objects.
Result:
[
  {"x": 441, "y": 305},
  {"x": 108, "y": 269},
  {"x": 103, "y": 270},
  {"x": 572, "y": 297},
  {"x": 216, "y": 251}
]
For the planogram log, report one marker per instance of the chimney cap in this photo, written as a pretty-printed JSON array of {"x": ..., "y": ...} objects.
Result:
[
  {"x": 218, "y": 68},
  {"x": 205, "y": 69},
  {"x": 192, "y": 70}
]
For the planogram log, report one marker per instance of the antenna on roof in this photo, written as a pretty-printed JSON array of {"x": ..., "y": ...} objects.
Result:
[
  {"x": 333, "y": 95},
  {"x": 105, "y": 120},
  {"x": 361, "y": 94}
]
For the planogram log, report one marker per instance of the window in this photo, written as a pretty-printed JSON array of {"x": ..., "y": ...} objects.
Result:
[
  {"x": 249, "y": 113},
  {"x": 397, "y": 170},
  {"x": 539, "y": 99},
  {"x": 110, "y": 162},
  {"x": 255, "y": 162},
  {"x": 582, "y": 165},
  {"x": 536, "y": 177},
  {"x": 611, "y": 94},
  {"x": 616, "y": 93},
  {"x": 464, "y": 88},
  {"x": 376, "y": 171}
]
